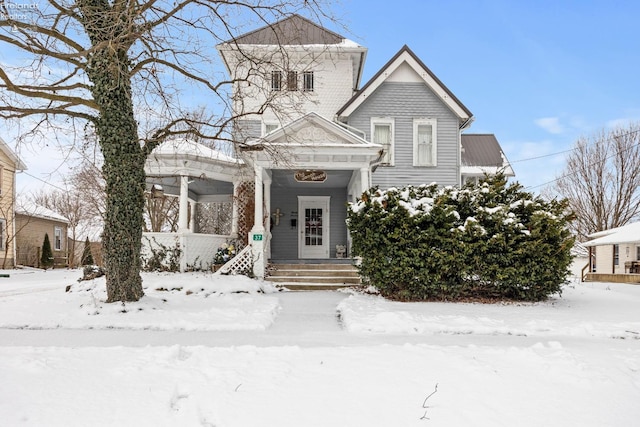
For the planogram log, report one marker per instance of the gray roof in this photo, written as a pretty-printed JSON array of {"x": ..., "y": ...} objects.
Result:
[
  {"x": 481, "y": 150},
  {"x": 294, "y": 30}
]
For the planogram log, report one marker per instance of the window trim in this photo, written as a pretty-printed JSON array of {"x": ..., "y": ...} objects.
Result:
[
  {"x": 308, "y": 77},
  {"x": 434, "y": 139},
  {"x": 292, "y": 80},
  {"x": 57, "y": 245},
  {"x": 382, "y": 121},
  {"x": 276, "y": 80},
  {"x": 267, "y": 123}
]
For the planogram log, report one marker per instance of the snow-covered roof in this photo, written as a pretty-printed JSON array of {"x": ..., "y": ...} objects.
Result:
[
  {"x": 192, "y": 148},
  {"x": 629, "y": 233},
  {"x": 33, "y": 210}
]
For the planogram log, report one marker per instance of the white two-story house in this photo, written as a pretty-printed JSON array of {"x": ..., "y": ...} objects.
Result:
[{"x": 325, "y": 136}]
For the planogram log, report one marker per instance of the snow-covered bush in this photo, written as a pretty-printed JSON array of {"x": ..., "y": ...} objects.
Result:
[{"x": 493, "y": 240}]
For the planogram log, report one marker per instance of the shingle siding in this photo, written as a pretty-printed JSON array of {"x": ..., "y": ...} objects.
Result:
[{"x": 405, "y": 102}]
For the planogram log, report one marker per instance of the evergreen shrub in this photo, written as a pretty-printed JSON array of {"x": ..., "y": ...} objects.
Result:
[
  {"x": 46, "y": 257},
  {"x": 488, "y": 241}
]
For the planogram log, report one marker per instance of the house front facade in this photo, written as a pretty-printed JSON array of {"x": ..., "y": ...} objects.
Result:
[
  {"x": 614, "y": 254},
  {"x": 312, "y": 137}
]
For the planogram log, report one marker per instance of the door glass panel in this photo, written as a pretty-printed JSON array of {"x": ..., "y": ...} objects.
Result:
[{"x": 313, "y": 227}]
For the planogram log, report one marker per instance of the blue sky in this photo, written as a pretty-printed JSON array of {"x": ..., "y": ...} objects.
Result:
[{"x": 537, "y": 74}]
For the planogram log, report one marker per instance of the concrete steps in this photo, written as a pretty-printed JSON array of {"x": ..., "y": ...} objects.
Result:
[{"x": 313, "y": 276}]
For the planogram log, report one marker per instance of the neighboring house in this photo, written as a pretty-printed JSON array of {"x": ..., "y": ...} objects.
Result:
[
  {"x": 323, "y": 141},
  {"x": 9, "y": 165},
  {"x": 32, "y": 223},
  {"x": 615, "y": 252}
]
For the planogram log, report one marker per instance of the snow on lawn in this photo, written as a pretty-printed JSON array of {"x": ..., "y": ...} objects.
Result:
[
  {"x": 584, "y": 310},
  {"x": 190, "y": 301},
  {"x": 572, "y": 363}
]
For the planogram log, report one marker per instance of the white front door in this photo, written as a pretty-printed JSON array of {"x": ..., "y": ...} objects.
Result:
[{"x": 313, "y": 220}]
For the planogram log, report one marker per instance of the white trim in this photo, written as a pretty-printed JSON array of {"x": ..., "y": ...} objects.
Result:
[
  {"x": 405, "y": 57},
  {"x": 434, "y": 141},
  {"x": 56, "y": 231},
  {"x": 384, "y": 121},
  {"x": 268, "y": 123}
]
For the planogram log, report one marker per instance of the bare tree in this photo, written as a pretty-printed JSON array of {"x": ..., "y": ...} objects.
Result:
[
  {"x": 161, "y": 212},
  {"x": 602, "y": 180},
  {"x": 120, "y": 65}
]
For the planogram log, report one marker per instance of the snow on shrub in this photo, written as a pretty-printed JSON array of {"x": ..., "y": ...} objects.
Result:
[{"x": 491, "y": 241}]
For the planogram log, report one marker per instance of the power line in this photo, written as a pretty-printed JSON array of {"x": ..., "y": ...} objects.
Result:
[{"x": 42, "y": 180}]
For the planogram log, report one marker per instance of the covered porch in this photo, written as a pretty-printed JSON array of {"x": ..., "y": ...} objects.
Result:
[
  {"x": 304, "y": 175},
  {"x": 200, "y": 180}
]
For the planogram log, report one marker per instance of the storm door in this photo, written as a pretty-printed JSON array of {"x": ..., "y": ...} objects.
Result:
[{"x": 313, "y": 229}]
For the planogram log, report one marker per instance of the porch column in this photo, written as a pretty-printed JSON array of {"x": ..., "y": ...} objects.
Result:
[
  {"x": 235, "y": 211},
  {"x": 257, "y": 238},
  {"x": 267, "y": 203},
  {"x": 364, "y": 179},
  {"x": 183, "y": 212},
  {"x": 192, "y": 217}
]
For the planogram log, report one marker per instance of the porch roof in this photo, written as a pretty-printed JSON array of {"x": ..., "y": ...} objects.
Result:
[
  {"x": 629, "y": 233},
  {"x": 211, "y": 172},
  {"x": 312, "y": 141}
]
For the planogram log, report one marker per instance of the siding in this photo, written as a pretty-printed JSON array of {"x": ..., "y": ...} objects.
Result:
[
  {"x": 284, "y": 238},
  {"x": 405, "y": 101},
  {"x": 7, "y": 207},
  {"x": 604, "y": 259},
  {"x": 30, "y": 233}
]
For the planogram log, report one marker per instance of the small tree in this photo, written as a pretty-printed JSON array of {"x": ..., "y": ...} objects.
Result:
[
  {"x": 87, "y": 257},
  {"x": 46, "y": 259}
]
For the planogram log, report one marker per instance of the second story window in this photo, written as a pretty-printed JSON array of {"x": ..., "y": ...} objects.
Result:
[
  {"x": 382, "y": 133},
  {"x": 307, "y": 81},
  {"x": 276, "y": 80},
  {"x": 424, "y": 142},
  {"x": 292, "y": 80}
]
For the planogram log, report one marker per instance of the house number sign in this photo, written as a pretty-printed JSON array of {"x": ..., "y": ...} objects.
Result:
[{"x": 310, "y": 176}]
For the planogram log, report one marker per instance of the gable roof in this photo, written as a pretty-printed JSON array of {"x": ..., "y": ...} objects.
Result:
[
  {"x": 33, "y": 210},
  {"x": 406, "y": 55},
  {"x": 10, "y": 153},
  {"x": 481, "y": 153},
  {"x": 293, "y": 30},
  {"x": 331, "y": 133}
]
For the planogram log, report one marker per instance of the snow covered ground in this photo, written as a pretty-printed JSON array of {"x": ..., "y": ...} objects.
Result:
[{"x": 201, "y": 350}]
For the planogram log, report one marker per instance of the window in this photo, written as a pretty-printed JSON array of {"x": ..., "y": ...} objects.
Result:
[
  {"x": 276, "y": 80},
  {"x": 424, "y": 142},
  {"x": 57, "y": 238},
  {"x": 292, "y": 80},
  {"x": 307, "y": 81},
  {"x": 268, "y": 127},
  {"x": 382, "y": 133},
  {"x": 637, "y": 253},
  {"x": 3, "y": 233},
  {"x": 616, "y": 254}
]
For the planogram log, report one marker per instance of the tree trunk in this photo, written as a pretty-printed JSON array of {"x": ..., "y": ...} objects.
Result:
[{"x": 124, "y": 158}]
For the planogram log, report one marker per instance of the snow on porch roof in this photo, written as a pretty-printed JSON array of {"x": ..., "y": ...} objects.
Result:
[
  {"x": 629, "y": 233},
  {"x": 188, "y": 147}
]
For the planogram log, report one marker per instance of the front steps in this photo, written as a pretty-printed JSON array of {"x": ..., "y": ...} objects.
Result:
[{"x": 305, "y": 277}]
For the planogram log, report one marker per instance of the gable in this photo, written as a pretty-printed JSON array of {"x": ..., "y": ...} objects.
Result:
[
  {"x": 294, "y": 30},
  {"x": 313, "y": 129},
  {"x": 405, "y": 66}
]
